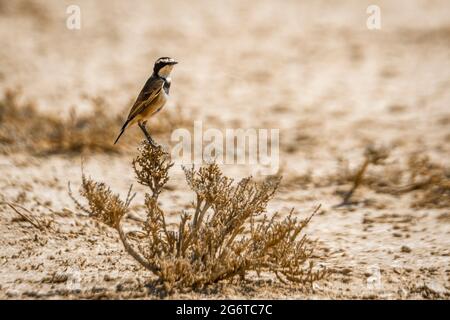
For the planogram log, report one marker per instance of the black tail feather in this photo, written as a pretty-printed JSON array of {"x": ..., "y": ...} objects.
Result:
[{"x": 121, "y": 131}]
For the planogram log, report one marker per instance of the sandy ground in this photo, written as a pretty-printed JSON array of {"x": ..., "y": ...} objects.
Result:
[{"x": 311, "y": 69}]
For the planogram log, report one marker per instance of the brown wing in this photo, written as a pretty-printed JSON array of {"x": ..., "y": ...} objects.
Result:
[{"x": 151, "y": 90}]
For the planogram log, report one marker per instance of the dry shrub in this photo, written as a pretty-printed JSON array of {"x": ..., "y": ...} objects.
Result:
[
  {"x": 428, "y": 181},
  {"x": 39, "y": 223},
  {"x": 372, "y": 156},
  {"x": 432, "y": 179},
  {"x": 24, "y": 128},
  {"x": 104, "y": 205},
  {"x": 225, "y": 235},
  {"x": 418, "y": 174}
]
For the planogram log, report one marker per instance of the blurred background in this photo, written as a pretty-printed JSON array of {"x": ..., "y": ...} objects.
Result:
[{"x": 310, "y": 68}]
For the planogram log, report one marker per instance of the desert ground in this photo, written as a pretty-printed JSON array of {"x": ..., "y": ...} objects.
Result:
[{"x": 311, "y": 69}]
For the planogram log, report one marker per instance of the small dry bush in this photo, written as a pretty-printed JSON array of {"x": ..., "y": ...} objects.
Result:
[
  {"x": 24, "y": 128},
  {"x": 225, "y": 235},
  {"x": 432, "y": 179},
  {"x": 418, "y": 174},
  {"x": 429, "y": 182},
  {"x": 373, "y": 156}
]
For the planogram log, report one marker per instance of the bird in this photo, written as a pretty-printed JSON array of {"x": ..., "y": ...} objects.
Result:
[{"x": 152, "y": 97}]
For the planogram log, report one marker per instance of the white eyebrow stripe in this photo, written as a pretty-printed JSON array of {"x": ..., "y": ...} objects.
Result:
[{"x": 166, "y": 60}]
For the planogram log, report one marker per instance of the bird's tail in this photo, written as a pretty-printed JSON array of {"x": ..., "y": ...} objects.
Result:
[{"x": 121, "y": 131}]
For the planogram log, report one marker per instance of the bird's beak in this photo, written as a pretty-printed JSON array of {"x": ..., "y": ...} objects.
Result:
[{"x": 174, "y": 62}]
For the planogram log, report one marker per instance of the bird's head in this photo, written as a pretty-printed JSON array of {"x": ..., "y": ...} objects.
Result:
[{"x": 163, "y": 66}]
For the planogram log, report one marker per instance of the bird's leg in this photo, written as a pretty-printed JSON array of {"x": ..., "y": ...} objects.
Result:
[{"x": 147, "y": 135}]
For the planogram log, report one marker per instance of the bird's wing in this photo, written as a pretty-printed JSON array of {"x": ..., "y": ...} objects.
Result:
[{"x": 151, "y": 90}]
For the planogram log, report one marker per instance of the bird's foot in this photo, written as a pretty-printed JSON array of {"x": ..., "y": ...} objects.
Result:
[
  {"x": 152, "y": 142},
  {"x": 147, "y": 135}
]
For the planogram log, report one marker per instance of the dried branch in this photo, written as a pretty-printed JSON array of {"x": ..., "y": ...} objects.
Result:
[
  {"x": 372, "y": 155},
  {"x": 34, "y": 222}
]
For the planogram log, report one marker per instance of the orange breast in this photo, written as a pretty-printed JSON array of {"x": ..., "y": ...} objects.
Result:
[{"x": 154, "y": 107}]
